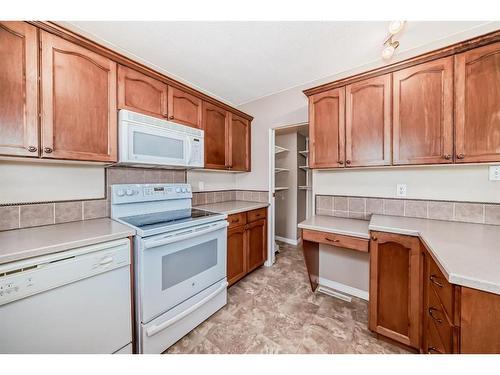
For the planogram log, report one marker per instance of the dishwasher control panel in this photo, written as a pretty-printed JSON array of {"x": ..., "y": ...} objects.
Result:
[{"x": 25, "y": 278}]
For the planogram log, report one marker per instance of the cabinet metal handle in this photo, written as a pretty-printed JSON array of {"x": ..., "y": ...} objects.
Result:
[
  {"x": 447, "y": 156},
  {"x": 374, "y": 238},
  {"x": 170, "y": 117},
  {"x": 432, "y": 349},
  {"x": 433, "y": 280},
  {"x": 47, "y": 150},
  {"x": 341, "y": 162},
  {"x": 348, "y": 162},
  {"x": 460, "y": 156},
  {"x": 32, "y": 149},
  {"x": 235, "y": 221},
  {"x": 431, "y": 313},
  {"x": 332, "y": 239}
]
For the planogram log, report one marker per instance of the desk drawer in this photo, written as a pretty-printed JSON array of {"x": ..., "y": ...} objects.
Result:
[
  {"x": 441, "y": 286},
  {"x": 256, "y": 214},
  {"x": 434, "y": 343},
  {"x": 339, "y": 240},
  {"x": 237, "y": 219}
]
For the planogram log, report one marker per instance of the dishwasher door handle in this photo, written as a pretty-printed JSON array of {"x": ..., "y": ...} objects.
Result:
[{"x": 151, "y": 331}]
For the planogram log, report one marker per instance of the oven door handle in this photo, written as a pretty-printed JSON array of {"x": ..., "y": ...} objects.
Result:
[
  {"x": 149, "y": 244},
  {"x": 151, "y": 331}
]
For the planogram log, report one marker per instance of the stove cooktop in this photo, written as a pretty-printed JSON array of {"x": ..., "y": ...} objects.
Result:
[{"x": 165, "y": 219}]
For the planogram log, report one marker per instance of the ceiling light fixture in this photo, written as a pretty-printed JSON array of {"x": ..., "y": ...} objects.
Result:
[{"x": 390, "y": 44}]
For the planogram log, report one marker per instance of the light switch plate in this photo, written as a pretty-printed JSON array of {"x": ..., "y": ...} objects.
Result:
[
  {"x": 401, "y": 190},
  {"x": 494, "y": 172}
]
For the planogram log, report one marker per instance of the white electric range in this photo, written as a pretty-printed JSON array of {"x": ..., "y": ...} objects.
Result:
[{"x": 180, "y": 260}]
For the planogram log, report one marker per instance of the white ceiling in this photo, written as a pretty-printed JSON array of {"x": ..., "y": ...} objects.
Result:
[{"x": 239, "y": 62}]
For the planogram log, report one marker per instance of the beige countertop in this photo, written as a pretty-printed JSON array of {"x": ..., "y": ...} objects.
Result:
[
  {"x": 31, "y": 242},
  {"x": 337, "y": 225},
  {"x": 232, "y": 207},
  {"x": 468, "y": 254}
]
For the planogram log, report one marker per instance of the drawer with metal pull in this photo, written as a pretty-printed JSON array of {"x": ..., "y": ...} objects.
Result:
[
  {"x": 333, "y": 239},
  {"x": 237, "y": 219},
  {"x": 441, "y": 286},
  {"x": 440, "y": 319},
  {"x": 256, "y": 214},
  {"x": 434, "y": 342}
]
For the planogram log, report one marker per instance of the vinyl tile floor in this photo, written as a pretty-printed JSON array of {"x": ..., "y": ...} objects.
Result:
[{"x": 273, "y": 310}]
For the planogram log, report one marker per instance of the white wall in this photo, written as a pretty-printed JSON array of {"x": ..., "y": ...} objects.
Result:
[
  {"x": 26, "y": 182},
  {"x": 211, "y": 180}
]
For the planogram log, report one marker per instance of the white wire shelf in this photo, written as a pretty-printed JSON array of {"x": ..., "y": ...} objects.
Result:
[
  {"x": 304, "y": 153},
  {"x": 279, "y": 149},
  {"x": 304, "y": 167},
  {"x": 280, "y": 188},
  {"x": 278, "y": 170},
  {"x": 304, "y": 187}
]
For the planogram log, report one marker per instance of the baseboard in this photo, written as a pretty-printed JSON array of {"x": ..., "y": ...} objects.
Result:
[
  {"x": 287, "y": 240},
  {"x": 344, "y": 288}
]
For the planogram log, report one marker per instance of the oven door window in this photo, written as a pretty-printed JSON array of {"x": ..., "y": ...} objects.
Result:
[{"x": 183, "y": 265}]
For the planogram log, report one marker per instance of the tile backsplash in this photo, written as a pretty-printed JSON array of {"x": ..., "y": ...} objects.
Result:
[
  {"x": 364, "y": 207},
  {"x": 31, "y": 215},
  {"x": 200, "y": 198}
]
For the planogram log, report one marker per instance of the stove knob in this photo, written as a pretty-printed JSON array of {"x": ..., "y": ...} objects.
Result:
[
  {"x": 120, "y": 193},
  {"x": 129, "y": 192},
  {"x": 184, "y": 190},
  {"x": 188, "y": 189}
]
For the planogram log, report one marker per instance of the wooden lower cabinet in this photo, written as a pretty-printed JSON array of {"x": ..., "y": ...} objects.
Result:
[
  {"x": 246, "y": 243},
  {"x": 396, "y": 287}
]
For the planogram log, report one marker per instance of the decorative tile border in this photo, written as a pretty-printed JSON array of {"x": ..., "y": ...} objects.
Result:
[
  {"x": 200, "y": 198},
  {"x": 36, "y": 214},
  {"x": 364, "y": 207}
]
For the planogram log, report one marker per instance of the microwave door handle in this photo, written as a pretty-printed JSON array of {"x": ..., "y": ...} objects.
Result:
[
  {"x": 189, "y": 147},
  {"x": 149, "y": 244},
  {"x": 160, "y": 327}
]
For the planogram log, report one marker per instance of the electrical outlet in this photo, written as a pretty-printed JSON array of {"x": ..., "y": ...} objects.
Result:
[
  {"x": 201, "y": 185},
  {"x": 495, "y": 173},
  {"x": 401, "y": 190}
]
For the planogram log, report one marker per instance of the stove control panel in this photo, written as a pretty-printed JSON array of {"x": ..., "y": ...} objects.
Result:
[{"x": 130, "y": 193}]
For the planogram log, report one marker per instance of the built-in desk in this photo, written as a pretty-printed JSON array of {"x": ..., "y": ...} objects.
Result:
[{"x": 351, "y": 234}]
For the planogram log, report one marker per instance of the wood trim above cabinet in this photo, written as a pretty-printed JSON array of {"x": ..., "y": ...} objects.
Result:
[
  {"x": 62, "y": 32},
  {"x": 453, "y": 49}
]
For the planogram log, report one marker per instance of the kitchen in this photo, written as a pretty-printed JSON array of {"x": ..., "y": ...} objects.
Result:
[{"x": 139, "y": 215}]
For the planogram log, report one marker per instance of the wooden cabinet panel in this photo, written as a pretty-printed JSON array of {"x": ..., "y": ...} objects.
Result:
[
  {"x": 395, "y": 287},
  {"x": 18, "y": 89},
  {"x": 216, "y": 126},
  {"x": 239, "y": 143},
  {"x": 368, "y": 122},
  {"x": 141, "y": 93},
  {"x": 477, "y": 105},
  {"x": 235, "y": 220},
  {"x": 184, "y": 108},
  {"x": 260, "y": 213},
  {"x": 423, "y": 113},
  {"x": 236, "y": 254},
  {"x": 256, "y": 244},
  {"x": 327, "y": 129},
  {"x": 79, "y": 119},
  {"x": 338, "y": 240}
]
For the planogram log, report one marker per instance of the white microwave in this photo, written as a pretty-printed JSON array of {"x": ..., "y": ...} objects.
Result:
[{"x": 151, "y": 142}]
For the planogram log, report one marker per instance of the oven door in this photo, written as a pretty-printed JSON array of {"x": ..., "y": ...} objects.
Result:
[
  {"x": 175, "y": 266},
  {"x": 141, "y": 144}
]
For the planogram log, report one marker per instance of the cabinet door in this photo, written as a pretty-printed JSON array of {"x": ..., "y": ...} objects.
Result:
[
  {"x": 184, "y": 108},
  {"x": 18, "y": 89},
  {"x": 239, "y": 143},
  {"x": 327, "y": 129},
  {"x": 423, "y": 113},
  {"x": 79, "y": 116},
  {"x": 477, "y": 105},
  {"x": 395, "y": 287},
  {"x": 140, "y": 93},
  {"x": 368, "y": 122},
  {"x": 216, "y": 126},
  {"x": 256, "y": 244},
  {"x": 236, "y": 254}
]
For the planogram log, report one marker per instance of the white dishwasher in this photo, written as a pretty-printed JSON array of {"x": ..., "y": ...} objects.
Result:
[{"x": 76, "y": 301}]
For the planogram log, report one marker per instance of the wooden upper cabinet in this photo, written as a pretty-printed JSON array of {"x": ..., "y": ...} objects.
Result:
[
  {"x": 326, "y": 128},
  {"x": 184, "y": 108},
  {"x": 423, "y": 113},
  {"x": 18, "y": 89},
  {"x": 79, "y": 118},
  {"x": 141, "y": 93},
  {"x": 239, "y": 143},
  {"x": 368, "y": 122},
  {"x": 396, "y": 287},
  {"x": 477, "y": 105},
  {"x": 216, "y": 127}
]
